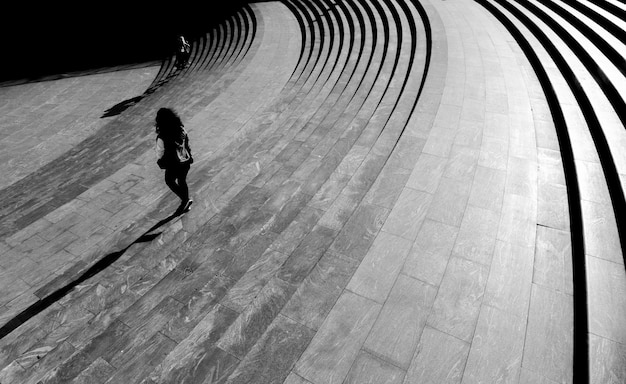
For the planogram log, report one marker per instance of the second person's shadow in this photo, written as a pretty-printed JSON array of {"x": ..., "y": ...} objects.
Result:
[{"x": 122, "y": 106}]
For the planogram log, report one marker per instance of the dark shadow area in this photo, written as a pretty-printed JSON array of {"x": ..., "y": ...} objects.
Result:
[
  {"x": 148, "y": 238},
  {"x": 92, "y": 271},
  {"x": 124, "y": 105},
  {"x": 121, "y": 107},
  {"x": 46, "y": 39},
  {"x": 79, "y": 73}
]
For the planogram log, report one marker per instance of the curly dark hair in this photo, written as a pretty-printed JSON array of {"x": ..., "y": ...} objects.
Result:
[{"x": 168, "y": 124}]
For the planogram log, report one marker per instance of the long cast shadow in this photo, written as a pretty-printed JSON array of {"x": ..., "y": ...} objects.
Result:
[
  {"x": 99, "y": 266},
  {"x": 121, "y": 106},
  {"x": 124, "y": 105}
]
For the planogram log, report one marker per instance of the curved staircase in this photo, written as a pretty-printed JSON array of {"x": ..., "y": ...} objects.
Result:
[{"x": 385, "y": 191}]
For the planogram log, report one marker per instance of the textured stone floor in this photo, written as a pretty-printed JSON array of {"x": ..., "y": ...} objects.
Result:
[{"x": 385, "y": 192}]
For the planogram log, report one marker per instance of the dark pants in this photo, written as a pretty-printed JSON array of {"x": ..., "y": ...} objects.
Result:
[
  {"x": 182, "y": 58},
  {"x": 176, "y": 179}
]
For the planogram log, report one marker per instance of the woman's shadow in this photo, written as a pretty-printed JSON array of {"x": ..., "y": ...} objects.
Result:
[{"x": 96, "y": 268}]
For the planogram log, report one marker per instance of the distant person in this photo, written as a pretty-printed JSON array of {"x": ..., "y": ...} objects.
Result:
[
  {"x": 183, "y": 51},
  {"x": 174, "y": 154}
]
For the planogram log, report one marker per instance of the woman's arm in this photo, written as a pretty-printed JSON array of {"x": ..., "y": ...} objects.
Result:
[
  {"x": 187, "y": 143},
  {"x": 160, "y": 148}
]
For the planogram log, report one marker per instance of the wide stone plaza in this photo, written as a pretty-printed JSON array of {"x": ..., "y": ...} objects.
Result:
[{"x": 385, "y": 191}]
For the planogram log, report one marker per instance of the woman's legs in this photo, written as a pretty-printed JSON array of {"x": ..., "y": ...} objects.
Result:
[
  {"x": 176, "y": 180},
  {"x": 170, "y": 180},
  {"x": 182, "y": 183}
]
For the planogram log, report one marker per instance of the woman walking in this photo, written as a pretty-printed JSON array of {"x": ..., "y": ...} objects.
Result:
[
  {"x": 183, "y": 52},
  {"x": 174, "y": 154}
]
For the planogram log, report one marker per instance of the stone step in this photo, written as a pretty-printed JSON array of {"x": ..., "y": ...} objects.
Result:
[{"x": 590, "y": 120}]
